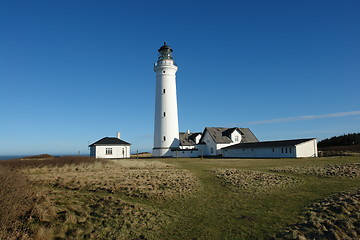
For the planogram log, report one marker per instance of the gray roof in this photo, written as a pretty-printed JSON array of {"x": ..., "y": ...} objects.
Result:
[
  {"x": 188, "y": 139},
  {"x": 110, "y": 141},
  {"x": 266, "y": 144},
  {"x": 223, "y": 135}
]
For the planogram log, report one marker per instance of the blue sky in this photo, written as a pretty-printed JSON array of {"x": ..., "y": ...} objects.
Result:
[{"x": 72, "y": 72}]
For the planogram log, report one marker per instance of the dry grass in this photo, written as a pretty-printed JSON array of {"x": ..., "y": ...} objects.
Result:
[
  {"x": 254, "y": 181},
  {"x": 78, "y": 215},
  {"x": 335, "y": 217},
  {"x": 146, "y": 179},
  {"x": 329, "y": 170},
  {"x": 18, "y": 198},
  {"x": 47, "y": 161}
]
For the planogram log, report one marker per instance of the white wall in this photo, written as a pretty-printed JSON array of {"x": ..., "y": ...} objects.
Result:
[
  {"x": 117, "y": 151},
  {"x": 185, "y": 154},
  {"x": 187, "y": 147},
  {"x": 234, "y": 135},
  {"x": 210, "y": 145},
  {"x": 307, "y": 149},
  {"x": 276, "y": 152}
]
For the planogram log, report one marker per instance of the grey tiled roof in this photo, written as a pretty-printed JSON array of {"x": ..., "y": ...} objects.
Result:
[
  {"x": 282, "y": 143},
  {"x": 110, "y": 141},
  {"x": 188, "y": 139},
  {"x": 223, "y": 135}
]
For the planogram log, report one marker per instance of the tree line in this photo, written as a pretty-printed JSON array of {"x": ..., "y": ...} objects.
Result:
[{"x": 343, "y": 140}]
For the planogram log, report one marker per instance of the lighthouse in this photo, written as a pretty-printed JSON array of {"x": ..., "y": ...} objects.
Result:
[{"x": 166, "y": 129}]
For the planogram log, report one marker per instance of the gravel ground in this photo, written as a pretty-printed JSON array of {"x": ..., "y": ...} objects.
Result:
[
  {"x": 336, "y": 217},
  {"x": 254, "y": 181},
  {"x": 329, "y": 170}
]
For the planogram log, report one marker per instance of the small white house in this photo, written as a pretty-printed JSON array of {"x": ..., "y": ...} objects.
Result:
[
  {"x": 295, "y": 148},
  {"x": 110, "y": 147}
]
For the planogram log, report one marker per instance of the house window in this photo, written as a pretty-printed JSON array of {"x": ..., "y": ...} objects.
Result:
[
  {"x": 108, "y": 151},
  {"x": 236, "y": 138},
  {"x": 289, "y": 150},
  {"x": 285, "y": 150},
  {"x": 243, "y": 149},
  {"x": 273, "y": 150},
  {"x": 282, "y": 150},
  {"x": 212, "y": 150},
  {"x": 252, "y": 149}
]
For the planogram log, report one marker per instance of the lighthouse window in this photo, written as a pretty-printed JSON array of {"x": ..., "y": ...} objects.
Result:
[
  {"x": 164, "y": 138},
  {"x": 163, "y": 71},
  {"x": 164, "y": 114},
  {"x": 164, "y": 90}
]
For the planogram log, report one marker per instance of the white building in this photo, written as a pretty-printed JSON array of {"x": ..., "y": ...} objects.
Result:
[
  {"x": 110, "y": 147},
  {"x": 166, "y": 129},
  {"x": 211, "y": 141},
  {"x": 295, "y": 148},
  {"x": 188, "y": 140},
  {"x": 215, "y": 138}
]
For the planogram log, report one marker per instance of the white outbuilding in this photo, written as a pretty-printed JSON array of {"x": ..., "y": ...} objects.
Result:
[
  {"x": 110, "y": 147},
  {"x": 296, "y": 148}
]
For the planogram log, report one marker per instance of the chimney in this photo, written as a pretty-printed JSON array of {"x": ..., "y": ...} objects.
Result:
[
  {"x": 118, "y": 135},
  {"x": 188, "y": 131}
]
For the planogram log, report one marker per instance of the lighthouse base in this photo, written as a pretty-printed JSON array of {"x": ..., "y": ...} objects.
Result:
[{"x": 161, "y": 152}]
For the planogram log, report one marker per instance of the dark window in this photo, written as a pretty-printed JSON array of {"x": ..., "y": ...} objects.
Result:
[
  {"x": 164, "y": 90},
  {"x": 285, "y": 150},
  {"x": 164, "y": 138},
  {"x": 108, "y": 151},
  {"x": 163, "y": 71},
  {"x": 289, "y": 150},
  {"x": 273, "y": 150},
  {"x": 164, "y": 114},
  {"x": 282, "y": 150}
]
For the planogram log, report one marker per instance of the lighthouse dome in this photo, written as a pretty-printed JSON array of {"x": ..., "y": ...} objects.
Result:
[{"x": 165, "y": 47}]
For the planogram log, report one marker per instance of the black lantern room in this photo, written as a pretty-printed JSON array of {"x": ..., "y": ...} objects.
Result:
[{"x": 165, "y": 52}]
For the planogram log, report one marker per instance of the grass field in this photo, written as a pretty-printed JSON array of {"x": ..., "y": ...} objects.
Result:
[{"x": 186, "y": 198}]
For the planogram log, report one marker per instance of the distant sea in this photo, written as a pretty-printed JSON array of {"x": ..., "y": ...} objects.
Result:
[
  {"x": 5, "y": 157},
  {"x": 12, "y": 157}
]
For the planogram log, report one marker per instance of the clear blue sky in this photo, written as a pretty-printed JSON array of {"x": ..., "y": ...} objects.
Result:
[{"x": 72, "y": 72}]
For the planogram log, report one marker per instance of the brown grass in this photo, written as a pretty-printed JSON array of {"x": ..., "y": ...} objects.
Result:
[
  {"x": 39, "y": 161},
  {"x": 254, "y": 181},
  {"x": 334, "y": 217},
  {"x": 18, "y": 198},
  {"x": 145, "y": 179},
  {"x": 328, "y": 170}
]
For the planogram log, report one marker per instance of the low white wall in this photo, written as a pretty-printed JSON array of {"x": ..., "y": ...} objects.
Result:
[
  {"x": 185, "y": 153},
  {"x": 276, "y": 152}
]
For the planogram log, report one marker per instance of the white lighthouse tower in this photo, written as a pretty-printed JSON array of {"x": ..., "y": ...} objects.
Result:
[{"x": 166, "y": 130}]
